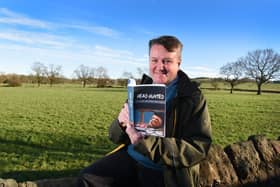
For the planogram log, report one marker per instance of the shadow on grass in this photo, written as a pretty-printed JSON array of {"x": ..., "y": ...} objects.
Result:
[
  {"x": 51, "y": 142},
  {"x": 22, "y": 176},
  {"x": 26, "y": 159}
]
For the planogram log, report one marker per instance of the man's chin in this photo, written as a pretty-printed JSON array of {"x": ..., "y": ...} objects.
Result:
[{"x": 160, "y": 80}]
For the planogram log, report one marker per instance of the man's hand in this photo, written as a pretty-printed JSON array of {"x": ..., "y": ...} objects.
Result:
[
  {"x": 133, "y": 134},
  {"x": 123, "y": 116}
]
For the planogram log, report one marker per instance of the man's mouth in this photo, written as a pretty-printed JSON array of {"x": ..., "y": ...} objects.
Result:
[{"x": 164, "y": 71}]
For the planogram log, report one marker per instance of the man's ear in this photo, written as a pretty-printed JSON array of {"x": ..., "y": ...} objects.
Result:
[{"x": 179, "y": 61}]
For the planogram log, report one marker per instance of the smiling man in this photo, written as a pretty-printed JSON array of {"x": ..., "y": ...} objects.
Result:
[
  {"x": 159, "y": 161},
  {"x": 165, "y": 59}
]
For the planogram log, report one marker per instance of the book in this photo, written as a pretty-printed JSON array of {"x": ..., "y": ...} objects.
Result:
[{"x": 147, "y": 107}]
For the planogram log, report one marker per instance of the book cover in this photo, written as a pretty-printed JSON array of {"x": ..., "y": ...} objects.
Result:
[{"x": 147, "y": 107}]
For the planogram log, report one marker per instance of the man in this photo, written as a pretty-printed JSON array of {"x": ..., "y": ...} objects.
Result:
[{"x": 156, "y": 161}]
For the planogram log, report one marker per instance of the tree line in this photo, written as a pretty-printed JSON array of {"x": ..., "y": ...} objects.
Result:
[
  {"x": 83, "y": 73},
  {"x": 259, "y": 65},
  {"x": 52, "y": 74}
]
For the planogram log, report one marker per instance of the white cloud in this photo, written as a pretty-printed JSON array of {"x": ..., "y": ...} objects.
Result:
[
  {"x": 14, "y": 56},
  {"x": 10, "y": 17},
  {"x": 22, "y": 46},
  {"x": 144, "y": 31},
  {"x": 104, "y": 51},
  {"x": 34, "y": 38},
  {"x": 201, "y": 71},
  {"x": 101, "y": 30}
]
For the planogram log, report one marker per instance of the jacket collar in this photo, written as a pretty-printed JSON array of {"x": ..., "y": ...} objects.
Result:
[
  {"x": 185, "y": 86},
  {"x": 146, "y": 79}
]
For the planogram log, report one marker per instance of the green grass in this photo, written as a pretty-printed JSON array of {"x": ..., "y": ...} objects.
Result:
[
  {"x": 54, "y": 132},
  {"x": 236, "y": 116},
  {"x": 57, "y": 130}
]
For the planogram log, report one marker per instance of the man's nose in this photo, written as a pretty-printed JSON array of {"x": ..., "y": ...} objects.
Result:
[{"x": 160, "y": 65}]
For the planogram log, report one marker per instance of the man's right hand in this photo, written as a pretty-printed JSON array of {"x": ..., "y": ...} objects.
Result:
[
  {"x": 133, "y": 134},
  {"x": 124, "y": 116}
]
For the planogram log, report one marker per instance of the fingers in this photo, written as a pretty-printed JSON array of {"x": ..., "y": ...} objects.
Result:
[
  {"x": 123, "y": 115},
  {"x": 133, "y": 134}
]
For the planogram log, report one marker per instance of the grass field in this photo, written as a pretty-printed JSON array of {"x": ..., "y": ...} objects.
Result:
[{"x": 54, "y": 132}]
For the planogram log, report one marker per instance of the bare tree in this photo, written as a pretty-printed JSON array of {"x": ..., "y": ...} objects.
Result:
[
  {"x": 262, "y": 65},
  {"x": 215, "y": 83},
  {"x": 101, "y": 72},
  {"x": 102, "y": 76},
  {"x": 140, "y": 72},
  {"x": 122, "y": 82},
  {"x": 3, "y": 77},
  {"x": 233, "y": 72},
  {"x": 92, "y": 75},
  {"x": 53, "y": 72},
  {"x": 39, "y": 69},
  {"x": 83, "y": 73},
  {"x": 13, "y": 80},
  {"x": 127, "y": 75}
]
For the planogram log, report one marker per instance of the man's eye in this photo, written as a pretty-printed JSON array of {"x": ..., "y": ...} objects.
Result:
[
  {"x": 154, "y": 61},
  {"x": 167, "y": 61}
]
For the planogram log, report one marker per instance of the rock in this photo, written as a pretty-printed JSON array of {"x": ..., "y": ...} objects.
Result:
[
  {"x": 217, "y": 169},
  {"x": 8, "y": 183},
  {"x": 247, "y": 163},
  {"x": 28, "y": 184},
  {"x": 255, "y": 162},
  {"x": 276, "y": 162},
  {"x": 276, "y": 147},
  {"x": 269, "y": 152}
]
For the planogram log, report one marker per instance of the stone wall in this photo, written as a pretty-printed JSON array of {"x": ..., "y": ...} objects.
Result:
[{"x": 253, "y": 163}]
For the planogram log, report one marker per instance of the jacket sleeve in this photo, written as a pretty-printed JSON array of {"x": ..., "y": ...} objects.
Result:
[
  {"x": 186, "y": 148},
  {"x": 117, "y": 134}
]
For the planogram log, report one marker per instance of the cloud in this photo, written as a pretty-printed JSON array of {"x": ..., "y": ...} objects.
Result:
[
  {"x": 9, "y": 17},
  {"x": 34, "y": 38},
  {"x": 24, "y": 40},
  {"x": 115, "y": 56},
  {"x": 200, "y": 68},
  {"x": 47, "y": 36},
  {"x": 201, "y": 71},
  {"x": 69, "y": 58},
  {"x": 101, "y": 30},
  {"x": 106, "y": 51},
  {"x": 144, "y": 31}
]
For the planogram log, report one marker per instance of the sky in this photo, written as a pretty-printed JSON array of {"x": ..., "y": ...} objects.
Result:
[{"x": 115, "y": 33}]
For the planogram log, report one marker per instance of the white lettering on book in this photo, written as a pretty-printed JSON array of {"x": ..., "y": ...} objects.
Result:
[{"x": 150, "y": 96}]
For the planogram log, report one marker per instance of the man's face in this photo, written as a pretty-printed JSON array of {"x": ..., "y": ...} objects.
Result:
[{"x": 164, "y": 65}]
